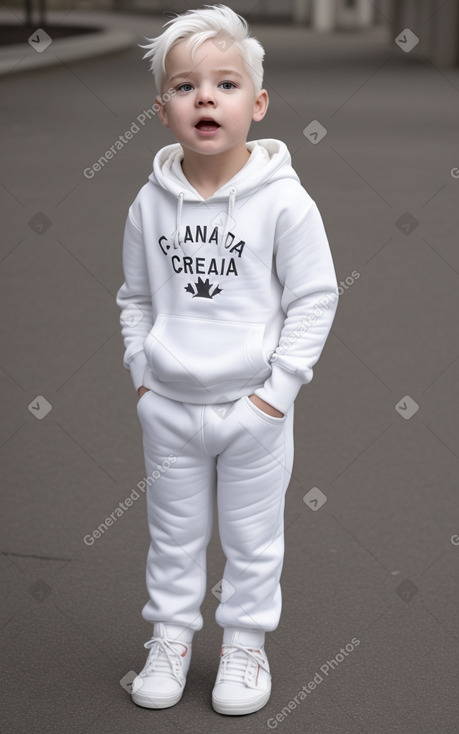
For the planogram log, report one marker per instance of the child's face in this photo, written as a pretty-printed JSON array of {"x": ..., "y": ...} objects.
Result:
[{"x": 213, "y": 85}]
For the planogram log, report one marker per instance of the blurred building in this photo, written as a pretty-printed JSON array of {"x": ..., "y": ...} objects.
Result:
[
  {"x": 434, "y": 23},
  {"x": 321, "y": 14}
]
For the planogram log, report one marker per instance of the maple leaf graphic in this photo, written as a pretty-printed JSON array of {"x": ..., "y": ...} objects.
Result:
[{"x": 201, "y": 289}]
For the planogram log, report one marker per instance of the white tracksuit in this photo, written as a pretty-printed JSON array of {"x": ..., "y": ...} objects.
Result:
[{"x": 223, "y": 297}]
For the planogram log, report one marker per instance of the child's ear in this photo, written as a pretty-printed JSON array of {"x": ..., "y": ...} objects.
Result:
[
  {"x": 260, "y": 106},
  {"x": 162, "y": 114}
]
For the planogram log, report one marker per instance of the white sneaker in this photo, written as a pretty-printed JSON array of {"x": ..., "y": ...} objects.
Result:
[
  {"x": 162, "y": 681},
  {"x": 243, "y": 682}
]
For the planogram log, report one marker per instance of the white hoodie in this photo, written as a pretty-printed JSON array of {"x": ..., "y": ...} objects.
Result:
[{"x": 229, "y": 295}]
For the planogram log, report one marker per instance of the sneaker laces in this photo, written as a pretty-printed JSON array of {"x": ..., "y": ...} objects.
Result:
[
  {"x": 164, "y": 658},
  {"x": 238, "y": 663}
]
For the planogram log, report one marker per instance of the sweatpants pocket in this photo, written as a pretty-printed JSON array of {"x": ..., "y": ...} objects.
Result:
[
  {"x": 143, "y": 398},
  {"x": 260, "y": 414}
]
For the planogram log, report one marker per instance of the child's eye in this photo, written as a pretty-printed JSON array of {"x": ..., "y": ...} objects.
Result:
[
  {"x": 184, "y": 87},
  {"x": 227, "y": 85}
]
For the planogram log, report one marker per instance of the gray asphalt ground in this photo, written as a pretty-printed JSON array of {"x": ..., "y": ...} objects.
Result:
[{"x": 375, "y": 567}]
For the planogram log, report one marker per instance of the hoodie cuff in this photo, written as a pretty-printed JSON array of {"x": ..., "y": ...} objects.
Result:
[
  {"x": 137, "y": 368},
  {"x": 280, "y": 389}
]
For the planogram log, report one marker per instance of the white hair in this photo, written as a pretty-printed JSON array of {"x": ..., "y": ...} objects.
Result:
[{"x": 211, "y": 21}]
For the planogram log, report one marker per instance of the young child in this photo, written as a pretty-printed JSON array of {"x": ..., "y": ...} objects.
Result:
[{"x": 229, "y": 295}]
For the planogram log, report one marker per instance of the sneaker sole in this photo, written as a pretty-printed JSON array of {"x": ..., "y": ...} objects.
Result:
[
  {"x": 238, "y": 708},
  {"x": 152, "y": 702}
]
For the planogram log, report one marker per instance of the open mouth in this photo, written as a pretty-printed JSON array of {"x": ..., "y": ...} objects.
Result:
[{"x": 207, "y": 125}]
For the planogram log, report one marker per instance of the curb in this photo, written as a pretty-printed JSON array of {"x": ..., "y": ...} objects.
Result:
[{"x": 23, "y": 57}]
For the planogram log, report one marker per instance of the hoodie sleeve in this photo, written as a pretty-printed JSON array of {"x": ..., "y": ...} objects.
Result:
[
  {"x": 309, "y": 300},
  {"x": 134, "y": 300}
]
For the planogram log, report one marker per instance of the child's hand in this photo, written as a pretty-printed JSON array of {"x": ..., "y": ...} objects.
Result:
[
  {"x": 265, "y": 407},
  {"x": 142, "y": 390}
]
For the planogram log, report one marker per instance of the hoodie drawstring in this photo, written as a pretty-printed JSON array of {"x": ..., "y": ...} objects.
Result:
[
  {"x": 178, "y": 219},
  {"x": 228, "y": 221},
  {"x": 229, "y": 216}
]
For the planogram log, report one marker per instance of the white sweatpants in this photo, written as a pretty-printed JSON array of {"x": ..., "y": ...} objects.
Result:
[{"x": 244, "y": 457}]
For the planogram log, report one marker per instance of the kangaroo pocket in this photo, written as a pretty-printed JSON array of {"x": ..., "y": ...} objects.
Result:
[{"x": 205, "y": 352}]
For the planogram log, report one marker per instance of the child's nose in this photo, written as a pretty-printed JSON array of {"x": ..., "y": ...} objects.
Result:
[{"x": 205, "y": 96}]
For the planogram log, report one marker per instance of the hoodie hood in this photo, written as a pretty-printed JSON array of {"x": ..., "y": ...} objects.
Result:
[{"x": 269, "y": 161}]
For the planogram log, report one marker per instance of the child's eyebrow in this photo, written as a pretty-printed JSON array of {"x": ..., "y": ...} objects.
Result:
[
  {"x": 184, "y": 74},
  {"x": 228, "y": 71}
]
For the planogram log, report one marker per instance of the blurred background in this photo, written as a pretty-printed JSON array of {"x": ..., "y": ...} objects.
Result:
[
  {"x": 366, "y": 97},
  {"x": 438, "y": 40}
]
